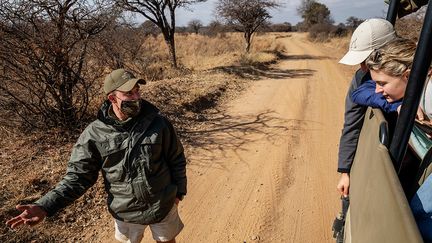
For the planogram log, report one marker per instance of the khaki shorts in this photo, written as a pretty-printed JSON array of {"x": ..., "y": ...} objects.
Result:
[{"x": 165, "y": 230}]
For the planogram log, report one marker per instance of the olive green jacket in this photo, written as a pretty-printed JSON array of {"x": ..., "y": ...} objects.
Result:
[{"x": 142, "y": 163}]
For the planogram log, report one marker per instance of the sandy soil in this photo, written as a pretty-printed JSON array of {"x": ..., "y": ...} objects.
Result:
[
  {"x": 266, "y": 171},
  {"x": 266, "y": 167}
]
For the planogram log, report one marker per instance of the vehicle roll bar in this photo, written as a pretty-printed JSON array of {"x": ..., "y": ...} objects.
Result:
[
  {"x": 416, "y": 81},
  {"x": 392, "y": 11}
]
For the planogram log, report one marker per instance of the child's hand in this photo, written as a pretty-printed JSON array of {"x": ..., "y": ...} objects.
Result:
[
  {"x": 343, "y": 184},
  {"x": 420, "y": 114}
]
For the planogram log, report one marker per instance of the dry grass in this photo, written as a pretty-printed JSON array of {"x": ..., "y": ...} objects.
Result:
[{"x": 198, "y": 52}]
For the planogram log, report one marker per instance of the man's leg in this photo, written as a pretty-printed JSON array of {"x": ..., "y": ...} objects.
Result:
[
  {"x": 129, "y": 233},
  {"x": 166, "y": 230}
]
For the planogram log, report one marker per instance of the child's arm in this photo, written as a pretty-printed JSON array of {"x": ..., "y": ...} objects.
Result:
[{"x": 365, "y": 95}]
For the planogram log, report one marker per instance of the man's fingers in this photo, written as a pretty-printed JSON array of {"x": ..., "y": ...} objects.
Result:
[
  {"x": 17, "y": 223},
  {"x": 22, "y": 207},
  {"x": 13, "y": 220},
  {"x": 29, "y": 216}
]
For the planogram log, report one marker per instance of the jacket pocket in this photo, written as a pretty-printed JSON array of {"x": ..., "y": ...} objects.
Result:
[
  {"x": 112, "y": 145},
  {"x": 139, "y": 189},
  {"x": 151, "y": 154},
  {"x": 121, "y": 198},
  {"x": 113, "y": 170},
  {"x": 114, "y": 159}
]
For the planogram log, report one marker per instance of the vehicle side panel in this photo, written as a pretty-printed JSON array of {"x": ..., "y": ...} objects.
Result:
[{"x": 379, "y": 210}]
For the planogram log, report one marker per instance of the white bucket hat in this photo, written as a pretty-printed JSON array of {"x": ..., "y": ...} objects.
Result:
[{"x": 369, "y": 35}]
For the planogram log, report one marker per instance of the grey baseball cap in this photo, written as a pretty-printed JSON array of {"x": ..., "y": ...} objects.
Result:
[
  {"x": 122, "y": 80},
  {"x": 368, "y": 36}
]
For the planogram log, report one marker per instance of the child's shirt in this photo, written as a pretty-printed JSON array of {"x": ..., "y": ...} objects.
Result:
[{"x": 365, "y": 95}]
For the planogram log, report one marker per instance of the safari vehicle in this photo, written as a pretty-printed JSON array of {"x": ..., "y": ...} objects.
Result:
[{"x": 385, "y": 174}]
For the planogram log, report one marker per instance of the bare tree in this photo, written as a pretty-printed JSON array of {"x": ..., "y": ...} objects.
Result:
[
  {"x": 195, "y": 25},
  {"x": 121, "y": 46},
  {"x": 161, "y": 13},
  {"x": 46, "y": 76},
  {"x": 352, "y": 22},
  {"x": 245, "y": 15}
]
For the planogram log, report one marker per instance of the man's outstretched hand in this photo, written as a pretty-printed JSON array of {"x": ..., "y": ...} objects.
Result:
[{"x": 31, "y": 215}]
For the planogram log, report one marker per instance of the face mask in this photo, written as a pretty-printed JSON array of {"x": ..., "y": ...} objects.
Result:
[{"x": 130, "y": 108}]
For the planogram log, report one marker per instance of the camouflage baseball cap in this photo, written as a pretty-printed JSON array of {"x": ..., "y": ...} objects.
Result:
[{"x": 121, "y": 80}]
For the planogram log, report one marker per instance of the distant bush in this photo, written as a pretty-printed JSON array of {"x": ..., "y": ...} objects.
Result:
[
  {"x": 320, "y": 32},
  {"x": 301, "y": 27},
  {"x": 323, "y": 32},
  {"x": 214, "y": 28},
  {"x": 340, "y": 31},
  {"x": 284, "y": 27}
]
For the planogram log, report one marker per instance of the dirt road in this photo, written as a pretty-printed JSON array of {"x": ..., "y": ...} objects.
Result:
[
  {"x": 265, "y": 167},
  {"x": 266, "y": 170}
]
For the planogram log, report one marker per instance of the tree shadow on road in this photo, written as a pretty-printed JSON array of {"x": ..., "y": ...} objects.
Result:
[
  {"x": 221, "y": 134},
  {"x": 282, "y": 56},
  {"x": 256, "y": 71}
]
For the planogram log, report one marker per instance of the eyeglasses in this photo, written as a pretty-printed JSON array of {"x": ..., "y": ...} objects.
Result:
[{"x": 376, "y": 57}]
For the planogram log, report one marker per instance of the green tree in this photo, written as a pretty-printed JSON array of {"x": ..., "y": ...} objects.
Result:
[{"x": 313, "y": 13}]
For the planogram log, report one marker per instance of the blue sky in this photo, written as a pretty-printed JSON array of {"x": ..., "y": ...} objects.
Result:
[{"x": 340, "y": 11}]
